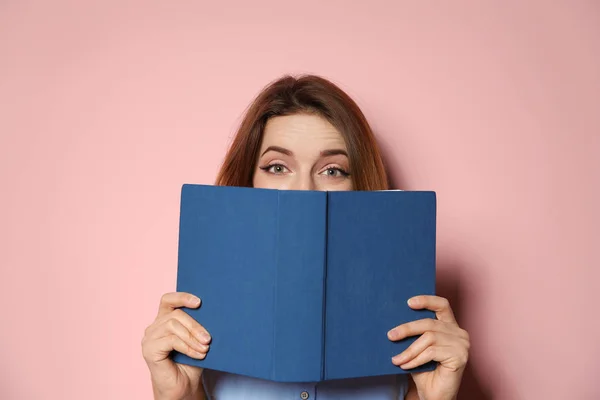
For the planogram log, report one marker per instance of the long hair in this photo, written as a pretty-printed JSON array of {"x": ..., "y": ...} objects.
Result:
[{"x": 306, "y": 94}]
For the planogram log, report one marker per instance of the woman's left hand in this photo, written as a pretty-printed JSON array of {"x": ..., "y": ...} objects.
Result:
[{"x": 441, "y": 340}]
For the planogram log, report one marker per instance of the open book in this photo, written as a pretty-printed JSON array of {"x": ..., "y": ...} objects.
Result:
[{"x": 303, "y": 286}]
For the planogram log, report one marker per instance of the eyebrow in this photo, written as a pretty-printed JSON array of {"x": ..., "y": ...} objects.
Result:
[
  {"x": 329, "y": 152},
  {"x": 334, "y": 152},
  {"x": 277, "y": 149}
]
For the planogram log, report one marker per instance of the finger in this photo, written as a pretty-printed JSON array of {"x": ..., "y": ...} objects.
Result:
[
  {"x": 171, "y": 301},
  {"x": 174, "y": 327},
  {"x": 199, "y": 332},
  {"x": 431, "y": 353},
  {"x": 454, "y": 358},
  {"x": 439, "y": 305},
  {"x": 415, "y": 328},
  {"x": 169, "y": 343},
  {"x": 426, "y": 340}
]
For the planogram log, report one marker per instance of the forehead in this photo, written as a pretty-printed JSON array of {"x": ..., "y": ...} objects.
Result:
[{"x": 303, "y": 130}]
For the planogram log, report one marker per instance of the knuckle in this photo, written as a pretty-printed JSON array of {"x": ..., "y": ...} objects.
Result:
[
  {"x": 173, "y": 341},
  {"x": 453, "y": 368},
  {"x": 190, "y": 337},
  {"x": 402, "y": 331},
  {"x": 429, "y": 337},
  {"x": 468, "y": 345},
  {"x": 465, "y": 335},
  {"x": 164, "y": 298},
  {"x": 172, "y": 324},
  {"x": 430, "y": 352},
  {"x": 445, "y": 303},
  {"x": 146, "y": 346}
]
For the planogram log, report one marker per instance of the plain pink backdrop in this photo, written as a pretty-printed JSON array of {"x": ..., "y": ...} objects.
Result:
[{"x": 107, "y": 107}]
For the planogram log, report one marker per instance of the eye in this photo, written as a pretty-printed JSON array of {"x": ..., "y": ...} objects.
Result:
[
  {"x": 335, "y": 172},
  {"x": 276, "y": 169}
]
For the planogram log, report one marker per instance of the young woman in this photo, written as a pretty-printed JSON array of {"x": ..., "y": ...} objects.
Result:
[{"x": 305, "y": 134}]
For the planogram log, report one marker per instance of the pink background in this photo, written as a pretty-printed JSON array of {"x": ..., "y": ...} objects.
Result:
[{"x": 107, "y": 107}]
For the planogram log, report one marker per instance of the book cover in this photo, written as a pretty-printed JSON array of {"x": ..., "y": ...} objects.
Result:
[{"x": 302, "y": 286}]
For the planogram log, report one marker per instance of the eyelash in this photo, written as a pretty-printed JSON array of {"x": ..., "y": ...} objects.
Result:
[
  {"x": 266, "y": 168},
  {"x": 343, "y": 172}
]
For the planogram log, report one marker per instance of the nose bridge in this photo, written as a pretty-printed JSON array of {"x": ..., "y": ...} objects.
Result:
[{"x": 303, "y": 181}]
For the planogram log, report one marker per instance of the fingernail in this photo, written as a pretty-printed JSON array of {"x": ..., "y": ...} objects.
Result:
[
  {"x": 391, "y": 334},
  {"x": 194, "y": 301},
  {"x": 412, "y": 301},
  {"x": 203, "y": 337}
]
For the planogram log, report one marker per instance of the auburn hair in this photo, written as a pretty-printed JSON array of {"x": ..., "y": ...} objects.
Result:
[{"x": 313, "y": 95}]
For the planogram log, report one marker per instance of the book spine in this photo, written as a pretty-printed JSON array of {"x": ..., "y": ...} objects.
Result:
[{"x": 299, "y": 295}]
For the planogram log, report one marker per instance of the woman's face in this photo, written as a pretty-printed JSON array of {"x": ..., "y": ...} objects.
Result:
[{"x": 302, "y": 152}]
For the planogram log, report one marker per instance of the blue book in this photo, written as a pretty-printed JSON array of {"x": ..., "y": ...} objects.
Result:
[{"x": 303, "y": 286}]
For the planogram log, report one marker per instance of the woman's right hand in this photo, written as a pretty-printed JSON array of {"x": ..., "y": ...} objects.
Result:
[{"x": 173, "y": 329}]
